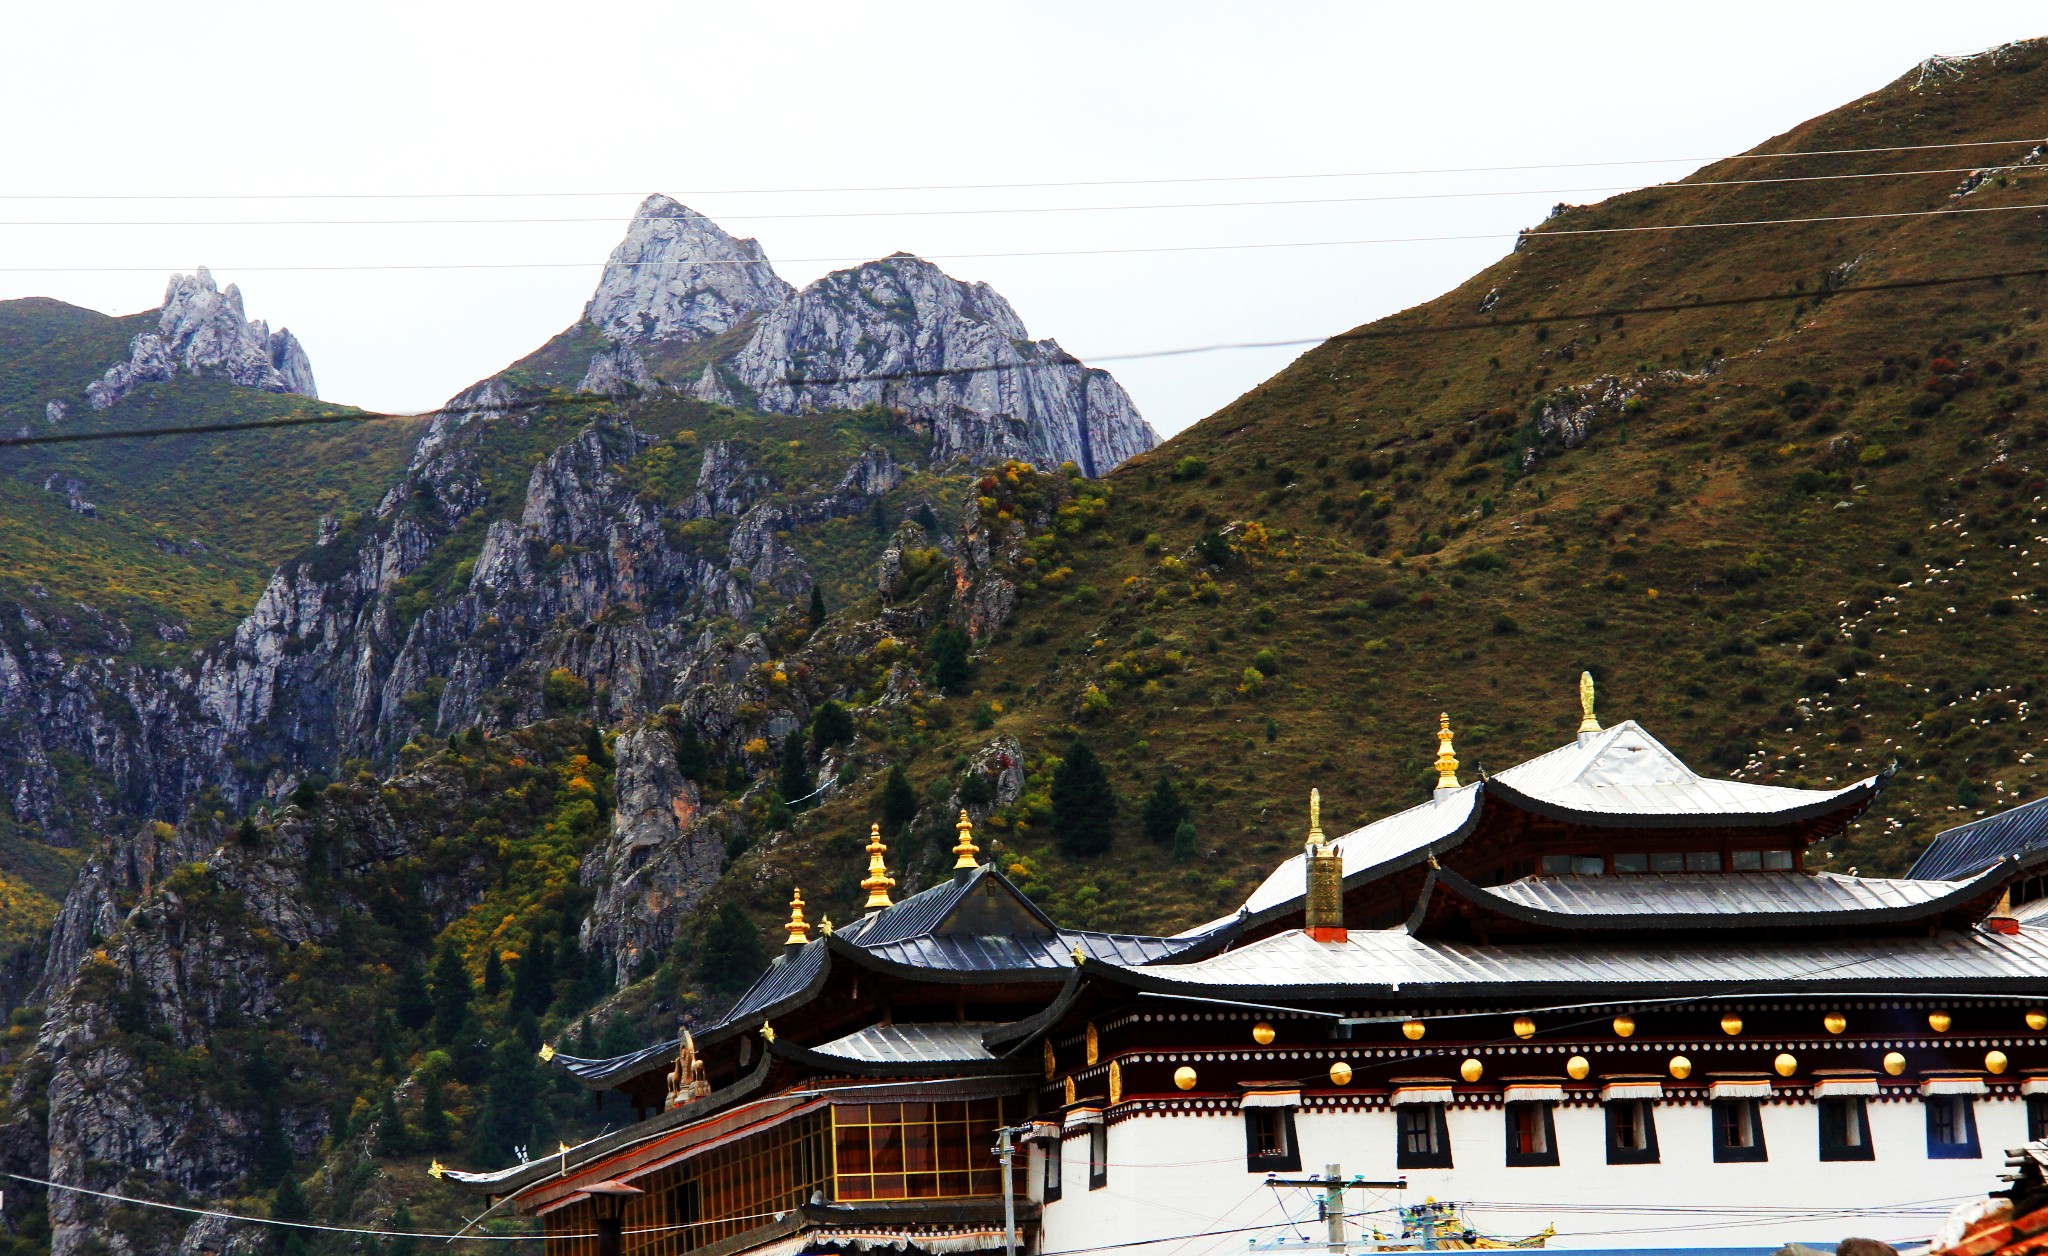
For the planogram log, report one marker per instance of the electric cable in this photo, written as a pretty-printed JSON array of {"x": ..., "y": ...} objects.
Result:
[
  {"x": 988, "y": 210},
  {"x": 812, "y": 381},
  {"x": 981, "y": 187}
]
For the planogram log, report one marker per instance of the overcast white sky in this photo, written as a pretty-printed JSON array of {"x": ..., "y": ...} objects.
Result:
[{"x": 700, "y": 100}]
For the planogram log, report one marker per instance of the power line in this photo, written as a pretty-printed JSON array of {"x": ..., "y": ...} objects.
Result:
[
  {"x": 272, "y": 1221},
  {"x": 983, "y": 210},
  {"x": 983, "y": 187},
  {"x": 1537, "y": 233},
  {"x": 1363, "y": 334}
]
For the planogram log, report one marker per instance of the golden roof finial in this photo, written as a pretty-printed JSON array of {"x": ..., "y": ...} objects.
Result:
[
  {"x": 1446, "y": 756},
  {"x": 436, "y": 1169},
  {"x": 965, "y": 852},
  {"x": 1315, "y": 818},
  {"x": 799, "y": 932},
  {"x": 879, "y": 882},
  {"x": 824, "y": 926},
  {"x": 1587, "y": 724},
  {"x": 547, "y": 1052}
]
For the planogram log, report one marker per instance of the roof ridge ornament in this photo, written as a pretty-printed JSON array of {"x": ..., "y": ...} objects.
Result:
[
  {"x": 799, "y": 931},
  {"x": 1588, "y": 722},
  {"x": 879, "y": 882},
  {"x": 1315, "y": 819},
  {"x": 1446, "y": 756},
  {"x": 965, "y": 852}
]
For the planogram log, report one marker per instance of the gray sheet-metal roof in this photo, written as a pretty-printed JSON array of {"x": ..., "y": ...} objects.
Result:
[
  {"x": 1619, "y": 772},
  {"x": 1017, "y": 952},
  {"x": 1973, "y": 847},
  {"x": 587, "y": 1070},
  {"x": 1717, "y": 893},
  {"x": 1382, "y": 961},
  {"x": 780, "y": 981},
  {"x": 896, "y": 1044}
]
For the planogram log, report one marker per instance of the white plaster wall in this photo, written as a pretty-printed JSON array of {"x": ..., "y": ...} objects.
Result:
[{"x": 1184, "y": 1173}]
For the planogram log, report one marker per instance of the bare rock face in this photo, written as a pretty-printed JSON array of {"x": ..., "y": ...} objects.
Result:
[
  {"x": 677, "y": 276},
  {"x": 205, "y": 331},
  {"x": 615, "y": 372}
]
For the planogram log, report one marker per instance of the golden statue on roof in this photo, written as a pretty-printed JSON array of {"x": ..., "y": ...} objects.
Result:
[
  {"x": 1315, "y": 818},
  {"x": 964, "y": 853},
  {"x": 879, "y": 882},
  {"x": 799, "y": 931},
  {"x": 1446, "y": 754},
  {"x": 686, "y": 1081},
  {"x": 1587, "y": 724}
]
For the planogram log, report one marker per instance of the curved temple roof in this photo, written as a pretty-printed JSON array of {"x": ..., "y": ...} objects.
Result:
[{"x": 1967, "y": 848}]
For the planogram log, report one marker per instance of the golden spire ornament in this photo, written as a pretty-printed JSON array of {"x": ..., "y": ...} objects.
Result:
[
  {"x": 965, "y": 851},
  {"x": 1315, "y": 819},
  {"x": 1446, "y": 756},
  {"x": 879, "y": 882},
  {"x": 799, "y": 931},
  {"x": 1588, "y": 723}
]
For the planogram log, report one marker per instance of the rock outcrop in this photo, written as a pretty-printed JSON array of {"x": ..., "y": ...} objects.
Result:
[
  {"x": 678, "y": 276},
  {"x": 204, "y": 331}
]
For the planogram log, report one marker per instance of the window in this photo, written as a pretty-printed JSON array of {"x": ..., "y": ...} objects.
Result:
[
  {"x": 2037, "y": 1117},
  {"x": 1667, "y": 861},
  {"x": 1703, "y": 861},
  {"x": 1631, "y": 1132},
  {"x": 1952, "y": 1128},
  {"x": 1738, "y": 1131},
  {"x": 1845, "y": 1130},
  {"x": 1777, "y": 861},
  {"x": 1746, "y": 860},
  {"x": 1557, "y": 865},
  {"x": 1532, "y": 1138},
  {"x": 1269, "y": 1142},
  {"x": 1425, "y": 1141},
  {"x": 916, "y": 1150},
  {"x": 1098, "y": 1156},
  {"x": 1631, "y": 863},
  {"x": 1573, "y": 865},
  {"x": 1053, "y": 1169}
]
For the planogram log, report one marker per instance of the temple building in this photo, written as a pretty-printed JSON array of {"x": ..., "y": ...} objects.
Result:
[{"x": 1539, "y": 1004}]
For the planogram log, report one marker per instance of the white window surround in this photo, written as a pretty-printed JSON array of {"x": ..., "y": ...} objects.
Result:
[
  {"x": 2034, "y": 1086},
  {"x": 1743, "y": 1089},
  {"x": 1533, "y": 1092},
  {"x": 1615, "y": 1091},
  {"x": 1271, "y": 1099},
  {"x": 1954, "y": 1086},
  {"x": 1845, "y": 1088},
  {"x": 1422, "y": 1094},
  {"x": 1084, "y": 1116}
]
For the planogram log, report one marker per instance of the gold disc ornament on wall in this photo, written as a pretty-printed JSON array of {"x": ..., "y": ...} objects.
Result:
[
  {"x": 1785, "y": 1064},
  {"x": 1524, "y": 1027},
  {"x": 1939, "y": 1022},
  {"x": 1412, "y": 1030},
  {"x": 1681, "y": 1068},
  {"x": 1894, "y": 1063},
  {"x": 2036, "y": 1018},
  {"x": 1340, "y": 1073},
  {"x": 1624, "y": 1026},
  {"x": 1184, "y": 1077},
  {"x": 1577, "y": 1067},
  {"x": 1731, "y": 1024},
  {"x": 1995, "y": 1061},
  {"x": 1834, "y": 1022},
  {"x": 1262, "y": 1033},
  {"x": 1471, "y": 1070}
]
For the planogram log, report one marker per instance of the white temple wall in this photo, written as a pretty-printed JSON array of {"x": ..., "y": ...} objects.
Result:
[{"x": 1184, "y": 1173}]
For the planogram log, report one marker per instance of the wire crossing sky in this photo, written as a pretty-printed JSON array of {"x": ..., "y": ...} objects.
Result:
[{"x": 1124, "y": 175}]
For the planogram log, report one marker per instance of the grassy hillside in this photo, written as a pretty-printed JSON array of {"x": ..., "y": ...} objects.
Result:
[{"x": 1797, "y": 539}]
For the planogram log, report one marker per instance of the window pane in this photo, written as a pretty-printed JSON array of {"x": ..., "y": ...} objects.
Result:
[
  {"x": 1703, "y": 861},
  {"x": 1777, "y": 861},
  {"x": 1667, "y": 861},
  {"x": 957, "y": 1183},
  {"x": 1589, "y": 865},
  {"x": 953, "y": 1147},
  {"x": 1747, "y": 860},
  {"x": 889, "y": 1186},
  {"x": 852, "y": 1146},
  {"x": 888, "y": 1148},
  {"x": 1631, "y": 863},
  {"x": 919, "y": 1156},
  {"x": 857, "y": 1186},
  {"x": 1556, "y": 865}
]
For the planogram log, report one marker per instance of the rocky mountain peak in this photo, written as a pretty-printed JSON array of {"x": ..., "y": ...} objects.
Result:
[
  {"x": 678, "y": 276},
  {"x": 205, "y": 331}
]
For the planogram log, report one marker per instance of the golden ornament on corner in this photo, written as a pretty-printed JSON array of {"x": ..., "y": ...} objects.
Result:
[
  {"x": 1412, "y": 1030},
  {"x": 1994, "y": 1061},
  {"x": 1340, "y": 1073},
  {"x": 1471, "y": 1070},
  {"x": 2036, "y": 1018},
  {"x": 1524, "y": 1027},
  {"x": 1577, "y": 1067},
  {"x": 1731, "y": 1024},
  {"x": 1262, "y": 1033},
  {"x": 1184, "y": 1077},
  {"x": 1624, "y": 1026},
  {"x": 1681, "y": 1068},
  {"x": 1785, "y": 1064},
  {"x": 1939, "y": 1022},
  {"x": 1894, "y": 1063},
  {"x": 1834, "y": 1022}
]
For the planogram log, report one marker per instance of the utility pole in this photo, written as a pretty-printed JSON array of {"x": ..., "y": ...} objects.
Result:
[
  {"x": 1005, "y": 1152},
  {"x": 1331, "y": 1205}
]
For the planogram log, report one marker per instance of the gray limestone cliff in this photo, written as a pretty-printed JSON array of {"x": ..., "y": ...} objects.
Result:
[
  {"x": 678, "y": 276},
  {"x": 204, "y": 331}
]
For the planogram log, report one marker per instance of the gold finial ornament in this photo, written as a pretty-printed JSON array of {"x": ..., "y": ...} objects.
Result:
[
  {"x": 1624, "y": 1026},
  {"x": 2036, "y": 1018},
  {"x": 547, "y": 1052},
  {"x": 1939, "y": 1022},
  {"x": 824, "y": 926},
  {"x": 1446, "y": 754},
  {"x": 1681, "y": 1068},
  {"x": 879, "y": 882},
  {"x": 1731, "y": 1024},
  {"x": 1262, "y": 1033},
  {"x": 1315, "y": 818},
  {"x": 1184, "y": 1078},
  {"x": 1786, "y": 1064},
  {"x": 436, "y": 1169},
  {"x": 799, "y": 932},
  {"x": 1412, "y": 1030},
  {"x": 1834, "y": 1022},
  {"x": 1577, "y": 1067},
  {"x": 1471, "y": 1070},
  {"x": 767, "y": 1031},
  {"x": 1995, "y": 1061},
  {"x": 1524, "y": 1027},
  {"x": 1588, "y": 723},
  {"x": 964, "y": 853},
  {"x": 1894, "y": 1063},
  {"x": 1340, "y": 1073}
]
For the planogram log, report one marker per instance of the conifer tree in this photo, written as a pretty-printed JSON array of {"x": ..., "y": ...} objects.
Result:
[
  {"x": 451, "y": 995},
  {"x": 288, "y": 1203},
  {"x": 1164, "y": 810},
  {"x": 898, "y": 803},
  {"x": 731, "y": 956},
  {"x": 410, "y": 1002},
  {"x": 392, "y": 1138},
  {"x": 1184, "y": 842},
  {"x": 927, "y": 520},
  {"x": 494, "y": 974},
  {"x": 434, "y": 1130},
  {"x": 533, "y": 979},
  {"x": 1083, "y": 804},
  {"x": 817, "y": 604},
  {"x": 513, "y": 1114},
  {"x": 793, "y": 780},
  {"x": 692, "y": 760},
  {"x": 407, "y": 1245},
  {"x": 948, "y": 653},
  {"x": 831, "y": 725}
]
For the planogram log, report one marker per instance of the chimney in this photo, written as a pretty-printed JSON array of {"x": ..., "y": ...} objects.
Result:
[{"x": 1325, "y": 866}]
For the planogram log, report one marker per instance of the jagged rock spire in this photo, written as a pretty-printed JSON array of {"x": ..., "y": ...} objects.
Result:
[{"x": 678, "y": 276}]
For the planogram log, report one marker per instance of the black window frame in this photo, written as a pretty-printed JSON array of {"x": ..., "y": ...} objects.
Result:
[
  {"x": 1832, "y": 1146},
  {"x": 1727, "y": 1153},
  {"x": 1098, "y": 1155},
  {"x": 1052, "y": 1184},
  {"x": 1966, "y": 1105},
  {"x": 1645, "y": 1154},
  {"x": 2037, "y": 1118},
  {"x": 1518, "y": 1159},
  {"x": 1288, "y": 1159},
  {"x": 1440, "y": 1129}
]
